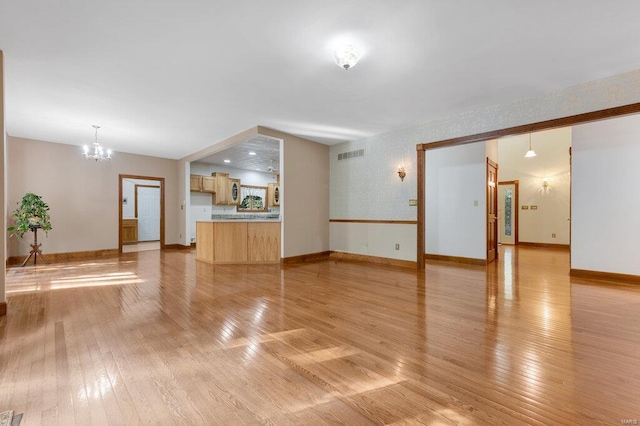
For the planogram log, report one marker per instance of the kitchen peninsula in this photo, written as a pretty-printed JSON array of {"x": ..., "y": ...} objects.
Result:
[{"x": 245, "y": 239}]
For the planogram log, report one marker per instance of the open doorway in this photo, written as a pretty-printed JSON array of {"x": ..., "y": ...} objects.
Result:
[{"x": 141, "y": 213}]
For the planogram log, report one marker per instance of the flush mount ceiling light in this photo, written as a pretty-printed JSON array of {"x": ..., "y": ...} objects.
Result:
[
  {"x": 252, "y": 153},
  {"x": 98, "y": 152},
  {"x": 346, "y": 56},
  {"x": 227, "y": 161},
  {"x": 531, "y": 152}
]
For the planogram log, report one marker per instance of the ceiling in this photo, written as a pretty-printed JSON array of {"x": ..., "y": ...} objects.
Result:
[
  {"x": 169, "y": 78},
  {"x": 267, "y": 154}
]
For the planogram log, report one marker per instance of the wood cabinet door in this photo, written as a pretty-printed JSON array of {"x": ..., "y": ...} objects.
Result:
[
  {"x": 264, "y": 242},
  {"x": 129, "y": 231},
  {"x": 234, "y": 192},
  {"x": 208, "y": 184},
  {"x": 221, "y": 195},
  {"x": 274, "y": 194},
  {"x": 195, "y": 183},
  {"x": 230, "y": 244},
  {"x": 204, "y": 241}
]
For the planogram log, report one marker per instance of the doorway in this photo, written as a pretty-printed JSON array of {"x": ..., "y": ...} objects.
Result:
[
  {"x": 508, "y": 201},
  {"x": 492, "y": 211},
  {"x": 141, "y": 213}
]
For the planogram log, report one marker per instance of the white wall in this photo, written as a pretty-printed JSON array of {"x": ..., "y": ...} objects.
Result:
[
  {"x": 129, "y": 192},
  {"x": 375, "y": 239},
  {"x": 551, "y": 162},
  {"x": 456, "y": 201},
  {"x": 606, "y": 196},
  {"x": 82, "y": 195}
]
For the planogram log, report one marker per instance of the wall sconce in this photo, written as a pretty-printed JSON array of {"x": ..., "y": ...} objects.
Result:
[
  {"x": 545, "y": 183},
  {"x": 401, "y": 172}
]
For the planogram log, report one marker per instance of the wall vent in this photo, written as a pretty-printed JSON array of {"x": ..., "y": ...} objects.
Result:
[{"x": 351, "y": 154}]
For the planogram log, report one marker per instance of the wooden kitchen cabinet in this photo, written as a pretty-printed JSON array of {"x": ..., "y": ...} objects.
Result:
[
  {"x": 230, "y": 244},
  {"x": 263, "y": 242},
  {"x": 238, "y": 242},
  {"x": 274, "y": 194},
  {"x": 221, "y": 191},
  {"x": 204, "y": 241},
  {"x": 129, "y": 231},
  {"x": 234, "y": 192},
  {"x": 208, "y": 184},
  {"x": 195, "y": 183},
  {"x": 202, "y": 183}
]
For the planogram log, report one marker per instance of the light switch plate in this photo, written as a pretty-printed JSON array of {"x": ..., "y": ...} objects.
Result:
[
  {"x": 525, "y": 207},
  {"x": 413, "y": 202}
]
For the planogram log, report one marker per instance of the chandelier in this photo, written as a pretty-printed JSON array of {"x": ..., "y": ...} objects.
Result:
[{"x": 98, "y": 153}]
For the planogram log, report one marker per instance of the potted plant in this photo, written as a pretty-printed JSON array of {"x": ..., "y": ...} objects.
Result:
[{"x": 32, "y": 213}]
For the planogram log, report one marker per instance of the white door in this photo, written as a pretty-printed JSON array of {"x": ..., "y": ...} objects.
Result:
[
  {"x": 507, "y": 209},
  {"x": 148, "y": 213}
]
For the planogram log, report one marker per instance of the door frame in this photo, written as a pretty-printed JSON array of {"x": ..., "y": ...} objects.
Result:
[
  {"x": 491, "y": 163},
  {"x": 121, "y": 177},
  {"x": 516, "y": 199},
  {"x": 566, "y": 121}
]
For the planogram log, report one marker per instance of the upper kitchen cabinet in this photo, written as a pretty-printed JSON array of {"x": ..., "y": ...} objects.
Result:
[
  {"x": 202, "y": 183},
  {"x": 222, "y": 188},
  {"x": 274, "y": 194},
  {"x": 234, "y": 192},
  {"x": 196, "y": 183}
]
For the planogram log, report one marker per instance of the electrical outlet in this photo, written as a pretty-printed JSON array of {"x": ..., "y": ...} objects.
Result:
[
  {"x": 553, "y": 235},
  {"x": 475, "y": 203},
  {"x": 397, "y": 246}
]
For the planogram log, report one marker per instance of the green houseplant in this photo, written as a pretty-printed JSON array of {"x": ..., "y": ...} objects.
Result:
[{"x": 31, "y": 213}]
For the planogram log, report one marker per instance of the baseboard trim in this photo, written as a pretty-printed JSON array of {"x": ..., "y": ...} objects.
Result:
[
  {"x": 3, "y": 309},
  {"x": 352, "y": 257},
  {"x": 66, "y": 257},
  {"x": 545, "y": 245},
  {"x": 605, "y": 276},
  {"x": 456, "y": 259},
  {"x": 305, "y": 258},
  {"x": 176, "y": 247}
]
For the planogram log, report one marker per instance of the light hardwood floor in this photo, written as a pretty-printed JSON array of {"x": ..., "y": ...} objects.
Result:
[{"x": 158, "y": 338}]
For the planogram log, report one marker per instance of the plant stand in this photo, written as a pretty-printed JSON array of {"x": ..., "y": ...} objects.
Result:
[{"x": 35, "y": 248}]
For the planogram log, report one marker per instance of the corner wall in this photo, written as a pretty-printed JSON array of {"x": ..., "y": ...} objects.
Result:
[
  {"x": 82, "y": 195},
  {"x": 304, "y": 204}
]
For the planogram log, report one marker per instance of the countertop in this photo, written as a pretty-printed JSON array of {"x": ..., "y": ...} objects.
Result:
[{"x": 240, "y": 220}]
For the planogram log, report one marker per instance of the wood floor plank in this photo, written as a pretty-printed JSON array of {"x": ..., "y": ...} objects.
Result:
[{"x": 158, "y": 338}]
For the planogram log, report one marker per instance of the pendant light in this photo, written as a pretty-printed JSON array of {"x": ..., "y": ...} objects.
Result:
[{"x": 531, "y": 152}]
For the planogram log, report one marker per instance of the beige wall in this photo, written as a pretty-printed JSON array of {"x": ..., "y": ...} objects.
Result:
[
  {"x": 82, "y": 195},
  {"x": 304, "y": 181},
  {"x": 3, "y": 183}
]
